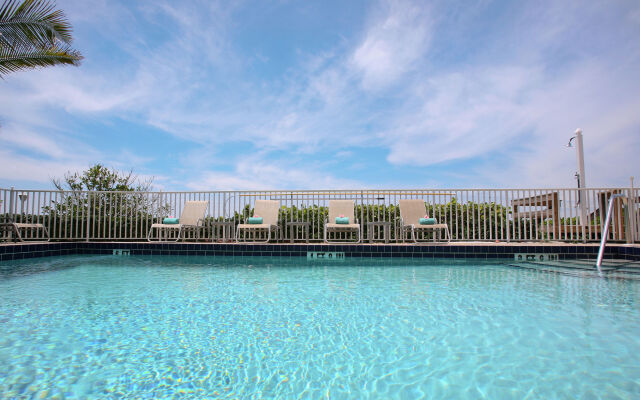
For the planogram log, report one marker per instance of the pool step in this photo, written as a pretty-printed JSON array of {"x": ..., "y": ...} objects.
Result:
[{"x": 613, "y": 268}]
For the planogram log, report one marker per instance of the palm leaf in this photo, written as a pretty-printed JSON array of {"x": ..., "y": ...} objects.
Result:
[
  {"x": 35, "y": 21},
  {"x": 16, "y": 59},
  {"x": 35, "y": 31}
]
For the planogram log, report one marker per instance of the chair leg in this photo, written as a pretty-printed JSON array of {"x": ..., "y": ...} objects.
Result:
[
  {"x": 17, "y": 231},
  {"x": 358, "y": 237},
  {"x": 160, "y": 231},
  {"x": 244, "y": 238},
  {"x": 268, "y": 236}
]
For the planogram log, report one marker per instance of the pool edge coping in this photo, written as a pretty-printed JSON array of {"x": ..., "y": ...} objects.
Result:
[{"x": 476, "y": 250}]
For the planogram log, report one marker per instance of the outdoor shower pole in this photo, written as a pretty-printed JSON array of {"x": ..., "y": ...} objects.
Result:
[{"x": 581, "y": 182}]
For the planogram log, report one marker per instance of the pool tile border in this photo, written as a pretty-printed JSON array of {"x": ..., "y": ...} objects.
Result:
[{"x": 459, "y": 251}]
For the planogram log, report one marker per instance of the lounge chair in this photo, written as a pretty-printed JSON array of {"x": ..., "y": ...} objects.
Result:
[
  {"x": 268, "y": 210},
  {"x": 192, "y": 217},
  {"x": 410, "y": 213},
  {"x": 336, "y": 209},
  {"x": 17, "y": 227}
]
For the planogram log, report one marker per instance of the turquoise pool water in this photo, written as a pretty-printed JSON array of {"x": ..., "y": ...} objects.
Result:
[{"x": 96, "y": 327}]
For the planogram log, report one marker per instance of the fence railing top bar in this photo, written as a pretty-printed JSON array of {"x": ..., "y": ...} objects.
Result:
[
  {"x": 345, "y": 193},
  {"x": 445, "y": 191},
  {"x": 116, "y": 191}
]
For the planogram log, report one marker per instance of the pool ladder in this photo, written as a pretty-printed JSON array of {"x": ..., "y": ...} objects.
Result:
[{"x": 605, "y": 231}]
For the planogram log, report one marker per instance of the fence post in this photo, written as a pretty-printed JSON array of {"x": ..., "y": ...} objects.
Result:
[
  {"x": 12, "y": 193},
  {"x": 631, "y": 214},
  {"x": 11, "y": 210},
  {"x": 506, "y": 197},
  {"x": 88, "y": 216}
]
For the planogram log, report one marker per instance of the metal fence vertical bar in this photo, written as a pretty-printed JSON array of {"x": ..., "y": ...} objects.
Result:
[
  {"x": 88, "y": 221},
  {"x": 527, "y": 214}
]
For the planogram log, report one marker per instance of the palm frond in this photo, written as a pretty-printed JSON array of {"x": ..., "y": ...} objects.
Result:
[
  {"x": 34, "y": 21},
  {"x": 34, "y": 34},
  {"x": 24, "y": 57}
]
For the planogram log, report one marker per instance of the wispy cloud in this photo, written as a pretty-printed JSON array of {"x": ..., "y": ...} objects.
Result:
[
  {"x": 24, "y": 169},
  {"x": 396, "y": 40},
  {"x": 463, "y": 115},
  {"x": 521, "y": 110},
  {"x": 254, "y": 173}
]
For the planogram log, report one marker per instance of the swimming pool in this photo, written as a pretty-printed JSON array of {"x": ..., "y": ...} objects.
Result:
[{"x": 193, "y": 327}]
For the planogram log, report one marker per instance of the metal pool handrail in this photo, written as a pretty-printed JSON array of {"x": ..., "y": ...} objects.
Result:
[{"x": 605, "y": 231}]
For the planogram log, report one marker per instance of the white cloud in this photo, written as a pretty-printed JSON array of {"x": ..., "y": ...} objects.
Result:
[
  {"x": 20, "y": 168},
  {"x": 189, "y": 86},
  {"x": 512, "y": 115},
  {"x": 460, "y": 115},
  {"x": 393, "y": 44},
  {"x": 54, "y": 145},
  {"x": 256, "y": 173},
  {"x": 527, "y": 118},
  {"x": 35, "y": 157},
  {"x": 11, "y": 136}
]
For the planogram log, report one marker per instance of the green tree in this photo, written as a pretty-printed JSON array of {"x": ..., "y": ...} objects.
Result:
[
  {"x": 103, "y": 203},
  {"x": 34, "y": 34},
  {"x": 101, "y": 178}
]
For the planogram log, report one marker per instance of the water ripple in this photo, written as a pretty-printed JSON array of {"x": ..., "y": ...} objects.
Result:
[{"x": 163, "y": 327}]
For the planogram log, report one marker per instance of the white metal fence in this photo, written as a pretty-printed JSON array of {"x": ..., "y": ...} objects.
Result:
[{"x": 471, "y": 214}]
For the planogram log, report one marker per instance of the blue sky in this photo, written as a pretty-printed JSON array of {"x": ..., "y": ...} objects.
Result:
[{"x": 206, "y": 95}]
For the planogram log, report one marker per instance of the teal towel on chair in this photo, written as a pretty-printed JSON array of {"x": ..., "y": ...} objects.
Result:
[
  {"x": 170, "y": 221},
  {"x": 427, "y": 221},
  {"x": 342, "y": 220},
  {"x": 255, "y": 220}
]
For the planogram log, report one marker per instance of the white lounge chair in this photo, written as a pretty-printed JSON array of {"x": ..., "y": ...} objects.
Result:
[
  {"x": 410, "y": 213},
  {"x": 336, "y": 209},
  {"x": 192, "y": 217},
  {"x": 17, "y": 227},
  {"x": 269, "y": 211}
]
